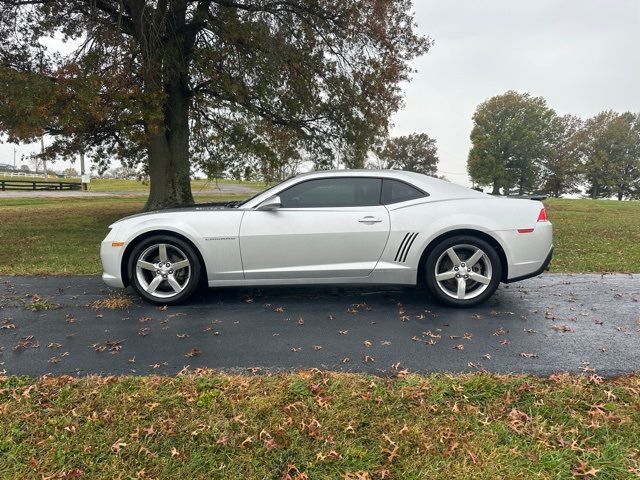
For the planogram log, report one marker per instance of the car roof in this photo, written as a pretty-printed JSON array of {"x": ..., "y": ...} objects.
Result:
[{"x": 435, "y": 187}]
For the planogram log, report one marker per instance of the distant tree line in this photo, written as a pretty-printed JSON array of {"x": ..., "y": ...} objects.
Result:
[
  {"x": 415, "y": 152},
  {"x": 519, "y": 145}
]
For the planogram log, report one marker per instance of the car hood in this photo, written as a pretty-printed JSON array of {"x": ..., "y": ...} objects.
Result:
[{"x": 207, "y": 207}]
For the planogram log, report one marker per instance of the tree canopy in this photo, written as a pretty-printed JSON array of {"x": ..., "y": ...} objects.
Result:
[
  {"x": 509, "y": 137},
  {"x": 561, "y": 166},
  {"x": 173, "y": 84},
  {"x": 415, "y": 152},
  {"x": 610, "y": 144}
]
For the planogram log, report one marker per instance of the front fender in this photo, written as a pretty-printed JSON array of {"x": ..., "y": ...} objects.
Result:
[
  {"x": 213, "y": 234},
  {"x": 161, "y": 225},
  {"x": 128, "y": 234}
]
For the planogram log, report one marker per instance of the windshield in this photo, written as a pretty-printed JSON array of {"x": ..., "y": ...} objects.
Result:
[{"x": 263, "y": 191}]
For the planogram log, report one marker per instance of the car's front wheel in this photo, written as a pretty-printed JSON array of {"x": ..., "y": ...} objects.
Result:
[
  {"x": 164, "y": 269},
  {"x": 463, "y": 271}
]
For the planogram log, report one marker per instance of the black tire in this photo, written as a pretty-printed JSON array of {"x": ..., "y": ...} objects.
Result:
[
  {"x": 464, "y": 246},
  {"x": 189, "y": 278}
]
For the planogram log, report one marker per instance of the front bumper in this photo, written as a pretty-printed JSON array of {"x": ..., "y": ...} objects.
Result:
[
  {"x": 111, "y": 258},
  {"x": 112, "y": 281}
]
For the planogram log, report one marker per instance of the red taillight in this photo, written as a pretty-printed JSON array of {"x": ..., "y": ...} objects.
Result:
[{"x": 542, "y": 216}]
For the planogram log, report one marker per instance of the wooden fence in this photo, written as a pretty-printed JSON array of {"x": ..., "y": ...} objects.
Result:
[{"x": 38, "y": 185}]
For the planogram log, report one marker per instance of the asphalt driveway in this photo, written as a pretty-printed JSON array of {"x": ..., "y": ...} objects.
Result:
[{"x": 576, "y": 323}]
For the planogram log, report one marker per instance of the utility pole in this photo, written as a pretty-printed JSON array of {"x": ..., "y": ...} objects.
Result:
[
  {"x": 14, "y": 158},
  {"x": 83, "y": 178},
  {"x": 44, "y": 162}
]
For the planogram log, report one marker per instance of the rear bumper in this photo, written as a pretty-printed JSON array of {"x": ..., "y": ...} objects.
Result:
[
  {"x": 543, "y": 267},
  {"x": 526, "y": 249}
]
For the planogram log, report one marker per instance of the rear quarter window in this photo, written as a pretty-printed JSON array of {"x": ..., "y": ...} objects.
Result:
[{"x": 395, "y": 191}]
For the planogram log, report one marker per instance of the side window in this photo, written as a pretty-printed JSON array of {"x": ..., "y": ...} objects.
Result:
[
  {"x": 394, "y": 191},
  {"x": 333, "y": 192}
]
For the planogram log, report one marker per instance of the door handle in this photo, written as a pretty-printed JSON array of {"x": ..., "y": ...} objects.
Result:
[{"x": 370, "y": 219}]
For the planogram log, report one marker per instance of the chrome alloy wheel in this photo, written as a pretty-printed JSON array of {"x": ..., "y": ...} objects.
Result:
[
  {"x": 163, "y": 270},
  {"x": 463, "y": 271}
]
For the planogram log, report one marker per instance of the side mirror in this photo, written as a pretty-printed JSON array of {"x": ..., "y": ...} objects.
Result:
[{"x": 270, "y": 203}]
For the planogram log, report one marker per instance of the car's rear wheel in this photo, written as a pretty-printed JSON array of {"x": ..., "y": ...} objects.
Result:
[
  {"x": 164, "y": 269},
  {"x": 463, "y": 271}
]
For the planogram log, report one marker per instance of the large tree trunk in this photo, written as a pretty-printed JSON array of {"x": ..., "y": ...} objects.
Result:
[
  {"x": 166, "y": 58},
  {"x": 169, "y": 152},
  {"x": 496, "y": 188}
]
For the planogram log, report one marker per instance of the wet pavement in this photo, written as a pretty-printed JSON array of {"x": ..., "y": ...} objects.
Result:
[{"x": 553, "y": 323}]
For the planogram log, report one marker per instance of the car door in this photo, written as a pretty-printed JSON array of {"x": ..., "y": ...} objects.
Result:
[{"x": 324, "y": 228}]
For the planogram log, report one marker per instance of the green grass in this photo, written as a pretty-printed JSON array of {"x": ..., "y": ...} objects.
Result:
[
  {"x": 117, "y": 185},
  {"x": 320, "y": 426},
  {"x": 595, "y": 235},
  {"x": 62, "y": 236}
]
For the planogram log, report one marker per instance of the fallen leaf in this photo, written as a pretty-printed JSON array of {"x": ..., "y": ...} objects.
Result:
[
  {"x": 563, "y": 328},
  {"x": 143, "y": 332},
  {"x": 117, "y": 446}
]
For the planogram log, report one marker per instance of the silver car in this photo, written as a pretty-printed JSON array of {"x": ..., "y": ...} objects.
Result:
[{"x": 335, "y": 227}]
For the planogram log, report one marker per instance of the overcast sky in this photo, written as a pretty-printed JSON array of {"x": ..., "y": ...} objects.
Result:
[{"x": 581, "y": 55}]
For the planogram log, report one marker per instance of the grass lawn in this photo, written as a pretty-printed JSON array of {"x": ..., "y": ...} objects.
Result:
[
  {"x": 320, "y": 426},
  {"x": 595, "y": 235},
  {"x": 117, "y": 185},
  {"x": 62, "y": 236}
]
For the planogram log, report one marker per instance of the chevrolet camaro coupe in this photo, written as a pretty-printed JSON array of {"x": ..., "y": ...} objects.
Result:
[{"x": 335, "y": 227}]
